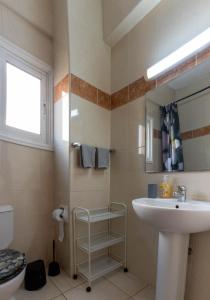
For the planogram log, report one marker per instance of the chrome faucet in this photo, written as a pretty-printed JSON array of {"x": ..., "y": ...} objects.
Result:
[{"x": 181, "y": 193}]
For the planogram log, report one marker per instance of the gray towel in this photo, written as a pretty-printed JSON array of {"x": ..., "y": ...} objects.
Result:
[
  {"x": 102, "y": 158},
  {"x": 87, "y": 156}
]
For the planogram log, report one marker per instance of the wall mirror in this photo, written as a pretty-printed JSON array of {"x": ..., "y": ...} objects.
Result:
[{"x": 178, "y": 123}]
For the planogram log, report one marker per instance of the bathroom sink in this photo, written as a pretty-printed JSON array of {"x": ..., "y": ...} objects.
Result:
[
  {"x": 172, "y": 216},
  {"x": 175, "y": 221}
]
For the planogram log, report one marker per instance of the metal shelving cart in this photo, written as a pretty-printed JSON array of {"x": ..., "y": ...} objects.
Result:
[{"x": 96, "y": 267}]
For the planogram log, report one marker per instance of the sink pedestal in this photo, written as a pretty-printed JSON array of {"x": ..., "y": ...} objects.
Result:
[{"x": 172, "y": 266}]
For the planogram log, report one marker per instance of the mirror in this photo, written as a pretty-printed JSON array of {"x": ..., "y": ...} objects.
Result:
[{"x": 178, "y": 123}]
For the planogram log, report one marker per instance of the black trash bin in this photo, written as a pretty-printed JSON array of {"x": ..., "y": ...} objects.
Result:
[{"x": 35, "y": 277}]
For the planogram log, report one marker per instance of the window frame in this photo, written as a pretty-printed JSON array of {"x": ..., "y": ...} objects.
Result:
[{"x": 9, "y": 53}]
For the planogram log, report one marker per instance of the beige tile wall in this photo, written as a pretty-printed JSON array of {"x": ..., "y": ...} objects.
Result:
[
  {"x": 62, "y": 181},
  {"x": 128, "y": 181},
  {"x": 26, "y": 182},
  {"x": 23, "y": 34},
  {"x": 156, "y": 36},
  {"x": 89, "y": 54},
  {"x": 89, "y": 187},
  {"x": 37, "y": 12},
  {"x": 61, "y": 124},
  {"x": 26, "y": 174},
  {"x": 90, "y": 60}
]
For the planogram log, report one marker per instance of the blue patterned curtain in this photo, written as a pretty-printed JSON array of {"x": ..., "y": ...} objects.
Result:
[{"x": 172, "y": 151}]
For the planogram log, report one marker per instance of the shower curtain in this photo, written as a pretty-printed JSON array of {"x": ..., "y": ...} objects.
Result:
[{"x": 172, "y": 151}]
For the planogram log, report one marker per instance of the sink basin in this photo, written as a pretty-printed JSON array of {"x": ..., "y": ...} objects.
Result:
[
  {"x": 175, "y": 221},
  {"x": 172, "y": 216}
]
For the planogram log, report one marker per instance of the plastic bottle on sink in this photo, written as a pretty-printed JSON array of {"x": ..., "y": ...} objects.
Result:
[{"x": 166, "y": 188}]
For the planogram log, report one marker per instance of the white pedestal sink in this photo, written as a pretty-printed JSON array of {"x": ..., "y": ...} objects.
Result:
[{"x": 174, "y": 221}]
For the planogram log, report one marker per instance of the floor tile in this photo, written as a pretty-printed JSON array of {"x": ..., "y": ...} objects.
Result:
[
  {"x": 147, "y": 294},
  {"x": 48, "y": 292},
  {"x": 61, "y": 297},
  {"x": 101, "y": 290},
  {"x": 64, "y": 283},
  {"x": 127, "y": 282}
]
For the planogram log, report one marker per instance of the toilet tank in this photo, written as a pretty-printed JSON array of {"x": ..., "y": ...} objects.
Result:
[{"x": 6, "y": 226}]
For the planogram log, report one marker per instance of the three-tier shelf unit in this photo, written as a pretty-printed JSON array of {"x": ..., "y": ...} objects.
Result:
[{"x": 92, "y": 243}]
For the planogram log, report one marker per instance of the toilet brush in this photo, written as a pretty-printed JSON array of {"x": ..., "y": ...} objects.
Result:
[{"x": 54, "y": 268}]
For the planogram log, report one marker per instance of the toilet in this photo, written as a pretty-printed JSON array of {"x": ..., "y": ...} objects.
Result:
[{"x": 12, "y": 262}]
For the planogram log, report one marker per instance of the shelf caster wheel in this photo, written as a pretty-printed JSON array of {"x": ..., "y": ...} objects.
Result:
[
  {"x": 125, "y": 270},
  {"x": 88, "y": 289},
  {"x": 75, "y": 276}
]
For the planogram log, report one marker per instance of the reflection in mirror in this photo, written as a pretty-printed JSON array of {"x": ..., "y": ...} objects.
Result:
[{"x": 178, "y": 123}]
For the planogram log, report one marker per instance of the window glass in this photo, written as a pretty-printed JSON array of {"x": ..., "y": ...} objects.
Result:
[{"x": 23, "y": 101}]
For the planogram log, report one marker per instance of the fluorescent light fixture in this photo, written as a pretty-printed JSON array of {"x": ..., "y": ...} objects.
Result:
[{"x": 186, "y": 50}]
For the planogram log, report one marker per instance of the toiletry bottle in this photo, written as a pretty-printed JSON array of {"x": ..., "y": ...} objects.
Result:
[{"x": 166, "y": 188}]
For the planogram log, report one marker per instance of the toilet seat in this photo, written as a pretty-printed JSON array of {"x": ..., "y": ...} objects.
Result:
[{"x": 12, "y": 263}]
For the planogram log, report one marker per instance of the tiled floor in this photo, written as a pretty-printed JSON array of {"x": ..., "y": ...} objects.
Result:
[{"x": 116, "y": 286}]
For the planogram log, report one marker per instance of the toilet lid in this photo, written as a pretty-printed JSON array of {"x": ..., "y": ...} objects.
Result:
[{"x": 12, "y": 263}]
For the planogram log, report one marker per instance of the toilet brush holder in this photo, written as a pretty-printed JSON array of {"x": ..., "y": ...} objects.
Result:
[{"x": 54, "y": 268}]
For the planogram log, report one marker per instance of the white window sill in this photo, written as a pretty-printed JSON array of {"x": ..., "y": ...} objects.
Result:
[{"x": 27, "y": 144}]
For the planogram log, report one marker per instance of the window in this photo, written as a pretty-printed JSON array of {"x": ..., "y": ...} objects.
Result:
[
  {"x": 149, "y": 139},
  {"x": 25, "y": 98},
  {"x": 23, "y": 114}
]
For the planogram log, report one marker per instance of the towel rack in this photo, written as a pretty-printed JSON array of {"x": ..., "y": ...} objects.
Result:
[{"x": 77, "y": 145}]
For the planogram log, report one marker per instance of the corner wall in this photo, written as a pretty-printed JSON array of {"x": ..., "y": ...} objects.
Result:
[
  {"x": 166, "y": 28},
  {"x": 90, "y": 60},
  {"x": 61, "y": 124}
]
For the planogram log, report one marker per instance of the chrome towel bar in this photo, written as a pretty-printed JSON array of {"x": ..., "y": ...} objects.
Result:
[{"x": 77, "y": 145}]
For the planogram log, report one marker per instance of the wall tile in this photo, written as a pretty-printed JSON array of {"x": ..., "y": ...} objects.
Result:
[
  {"x": 120, "y": 98},
  {"x": 139, "y": 88},
  {"x": 104, "y": 100}
]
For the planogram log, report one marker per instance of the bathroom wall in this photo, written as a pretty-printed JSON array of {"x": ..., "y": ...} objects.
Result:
[
  {"x": 30, "y": 10},
  {"x": 26, "y": 174},
  {"x": 15, "y": 27},
  {"x": 90, "y": 60},
  {"x": 61, "y": 123},
  {"x": 196, "y": 138},
  {"x": 167, "y": 27}
]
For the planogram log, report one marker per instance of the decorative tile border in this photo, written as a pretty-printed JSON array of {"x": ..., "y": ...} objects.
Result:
[
  {"x": 192, "y": 134},
  {"x": 129, "y": 93},
  {"x": 83, "y": 89},
  {"x": 140, "y": 87},
  {"x": 62, "y": 86}
]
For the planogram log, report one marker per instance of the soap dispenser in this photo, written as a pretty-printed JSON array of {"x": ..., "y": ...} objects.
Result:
[{"x": 166, "y": 188}]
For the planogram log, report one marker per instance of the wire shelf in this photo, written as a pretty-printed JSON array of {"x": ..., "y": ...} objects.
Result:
[
  {"x": 100, "y": 241},
  {"x": 97, "y": 215},
  {"x": 99, "y": 267}
]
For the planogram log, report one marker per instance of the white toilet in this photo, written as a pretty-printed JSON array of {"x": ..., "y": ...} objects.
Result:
[{"x": 12, "y": 262}]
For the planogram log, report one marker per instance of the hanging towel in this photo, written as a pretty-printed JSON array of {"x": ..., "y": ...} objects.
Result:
[
  {"x": 102, "y": 158},
  {"x": 87, "y": 156}
]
